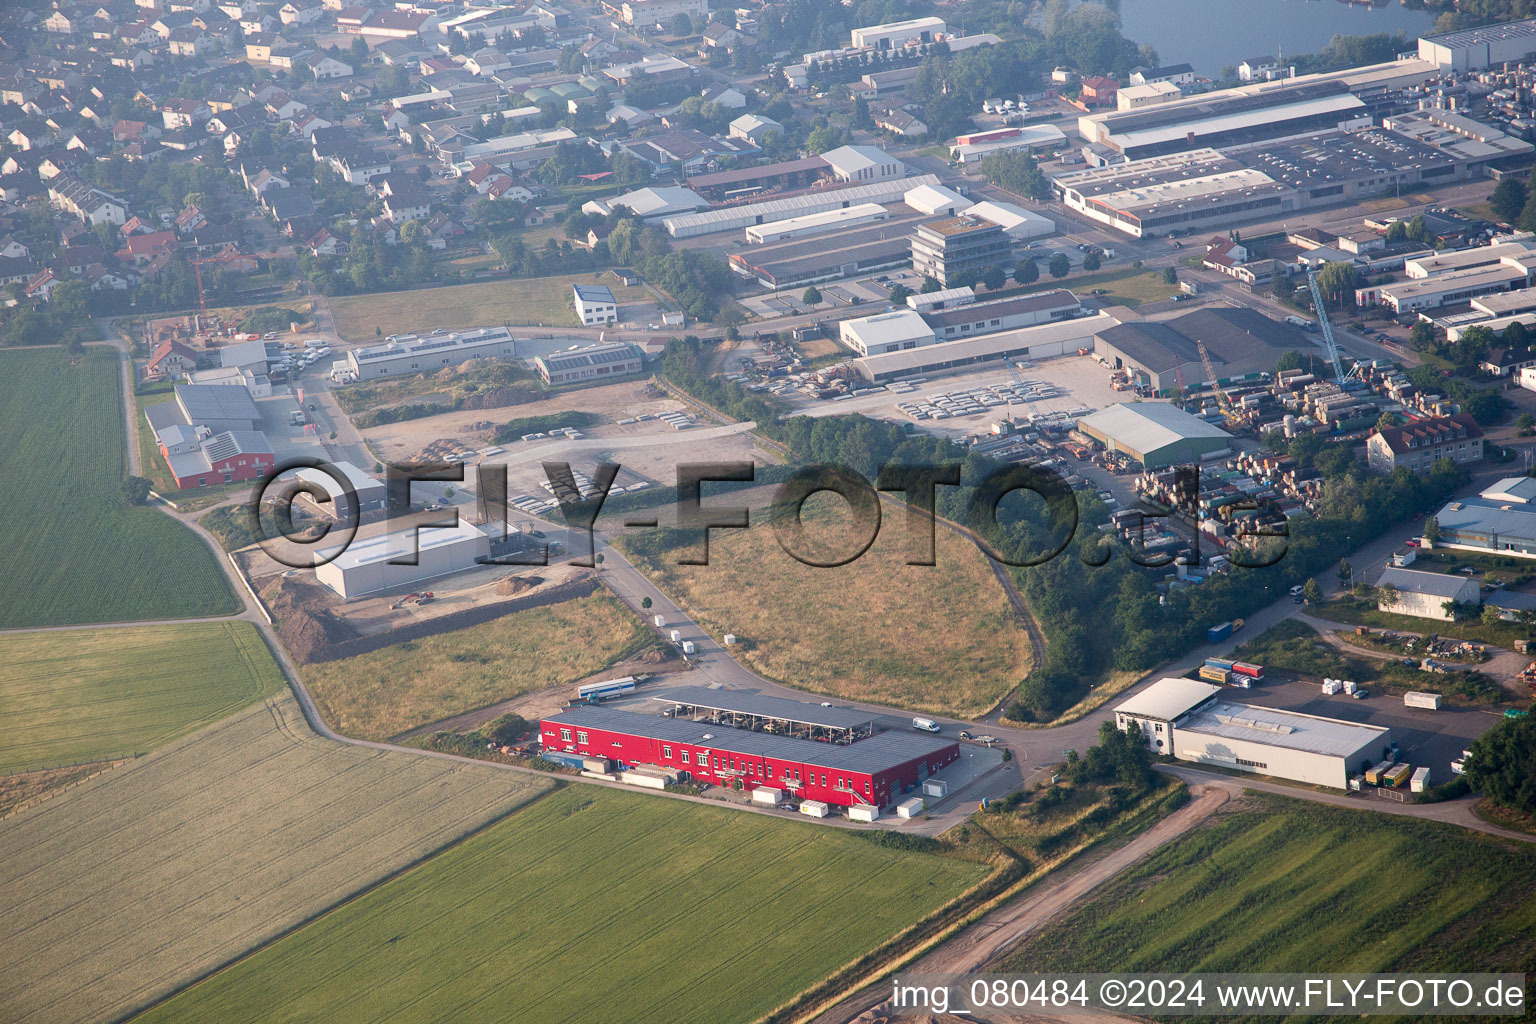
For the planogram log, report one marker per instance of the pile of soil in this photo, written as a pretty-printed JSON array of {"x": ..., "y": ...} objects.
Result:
[
  {"x": 499, "y": 398},
  {"x": 307, "y": 627},
  {"x": 510, "y": 585}
]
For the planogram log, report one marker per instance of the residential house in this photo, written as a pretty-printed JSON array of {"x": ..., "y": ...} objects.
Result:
[
  {"x": 900, "y": 122},
  {"x": 726, "y": 96},
  {"x": 1422, "y": 443},
  {"x": 170, "y": 361},
  {"x": 755, "y": 128},
  {"x": 184, "y": 113},
  {"x": 400, "y": 207}
]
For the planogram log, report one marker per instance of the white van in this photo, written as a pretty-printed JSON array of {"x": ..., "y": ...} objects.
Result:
[{"x": 925, "y": 724}]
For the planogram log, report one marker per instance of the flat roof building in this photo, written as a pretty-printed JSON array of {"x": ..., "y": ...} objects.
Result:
[
  {"x": 874, "y": 773},
  {"x": 743, "y": 710},
  {"x": 594, "y": 363},
  {"x": 896, "y": 34},
  {"x": 365, "y": 567},
  {"x": 1158, "y": 353},
  {"x": 796, "y": 262},
  {"x": 1501, "y": 519},
  {"x": 1204, "y": 187},
  {"x": 735, "y": 218},
  {"x": 947, "y": 249},
  {"x": 969, "y": 320},
  {"x": 1476, "y": 48},
  {"x": 885, "y": 332},
  {"x": 594, "y": 304},
  {"x": 1156, "y": 434},
  {"x": 1446, "y": 289},
  {"x": 817, "y": 223},
  {"x": 408, "y": 353},
  {"x": 1045, "y": 341},
  {"x": 1231, "y": 118},
  {"x": 1188, "y": 719}
]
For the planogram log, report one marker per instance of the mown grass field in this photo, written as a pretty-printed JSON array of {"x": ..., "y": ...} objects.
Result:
[
  {"x": 96, "y": 695},
  {"x": 1126, "y": 287},
  {"x": 71, "y": 549},
  {"x": 1282, "y": 885},
  {"x": 544, "y": 301},
  {"x": 144, "y": 878},
  {"x": 593, "y": 905},
  {"x": 941, "y": 638},
  {"x": 391, "y": 690}
]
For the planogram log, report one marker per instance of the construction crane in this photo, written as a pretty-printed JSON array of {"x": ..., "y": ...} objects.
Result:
[
  {"x": 1322, "y": 320},
  {"x": 224, "y": 257},
  {"x": 1210, "y": 373}
]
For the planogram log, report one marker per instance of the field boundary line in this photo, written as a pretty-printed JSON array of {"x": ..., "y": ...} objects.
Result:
[
  {"x": 339, "y": 904},
  {"x": 106, "y": 766}
]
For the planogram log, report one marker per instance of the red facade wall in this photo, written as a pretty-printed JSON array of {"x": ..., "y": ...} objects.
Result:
[
  {"x": 256, "y": 464},
  {"x": 817, "y": 782}
]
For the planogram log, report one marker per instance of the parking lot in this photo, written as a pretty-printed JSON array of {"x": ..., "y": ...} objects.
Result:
[
  {"x": 1432, "y": 738},
  {"x": 1063, "y": 385}
]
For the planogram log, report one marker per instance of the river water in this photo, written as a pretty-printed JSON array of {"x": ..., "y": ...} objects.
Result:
[{"x": 1213, "y": 34}]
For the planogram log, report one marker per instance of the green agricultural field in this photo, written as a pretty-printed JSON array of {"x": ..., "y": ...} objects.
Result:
[
  {"x": 96, "y": 695},
  {"x": 132, "y": 885},
  {"x": 1282, "y": 885},
  {"x": 593, "y": 905},
  {"x": 71, "y": 549}
]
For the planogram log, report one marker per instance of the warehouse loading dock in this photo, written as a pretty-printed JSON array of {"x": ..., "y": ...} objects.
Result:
[{"x": 1189, "y": 719}]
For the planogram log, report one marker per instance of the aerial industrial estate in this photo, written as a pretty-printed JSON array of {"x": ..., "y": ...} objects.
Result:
[{"x": 475, "y": 456}]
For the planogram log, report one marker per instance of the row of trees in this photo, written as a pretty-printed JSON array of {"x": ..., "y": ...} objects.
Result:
[{"x": 1098, "y": 613}]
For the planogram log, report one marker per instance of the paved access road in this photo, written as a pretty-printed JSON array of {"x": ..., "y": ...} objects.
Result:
[{"x": 1035, "y": 751}]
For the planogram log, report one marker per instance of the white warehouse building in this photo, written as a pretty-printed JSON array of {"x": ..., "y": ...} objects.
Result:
[
  {"x": 898, "y": 33},
  {"x": 407, "y": 353},
  {"x": 1188, "y": 719},
  {"x": 817, "y": 223},
  {"x": 364, "y": 567},
  {"x": 733, "y": 218}
]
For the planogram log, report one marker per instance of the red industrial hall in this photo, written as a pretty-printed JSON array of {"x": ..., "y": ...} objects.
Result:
[{"x": 872, "y": 772}]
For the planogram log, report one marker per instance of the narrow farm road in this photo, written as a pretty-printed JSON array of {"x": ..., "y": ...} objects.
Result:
[
  {"x": 1450, "y": 812},
  {"x": 986, "y": 940}
]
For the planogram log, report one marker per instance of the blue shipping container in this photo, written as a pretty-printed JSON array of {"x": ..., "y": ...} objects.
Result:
[{"x": 1216, "y": 634}]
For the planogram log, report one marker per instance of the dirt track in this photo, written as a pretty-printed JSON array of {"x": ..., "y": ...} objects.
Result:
[{"x": 1005, "y": 927}]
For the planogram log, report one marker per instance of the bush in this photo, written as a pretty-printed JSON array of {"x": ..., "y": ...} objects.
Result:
[
  {"x": 515, "y": 429},
  {"x": 902, "y": 841},
  {"x": 507, "y": 729}
]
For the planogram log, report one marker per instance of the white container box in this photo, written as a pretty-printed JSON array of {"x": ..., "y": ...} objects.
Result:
[
  {"x": 910, "y": 808},
  {"x": 677, "y": 636},
  {"x": 935, "y": 788},
  {"x": 861, "y": 813},
  {"x": 658, "y": 620},
  {"x": 767, "y": 795},
  {"x": 814, "y": 808}
]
